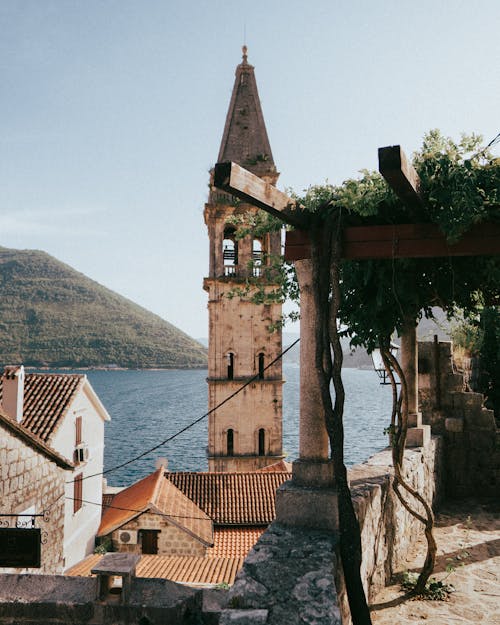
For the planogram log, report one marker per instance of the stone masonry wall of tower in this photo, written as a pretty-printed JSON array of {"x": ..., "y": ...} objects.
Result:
[{"x": 246, "y": 433}]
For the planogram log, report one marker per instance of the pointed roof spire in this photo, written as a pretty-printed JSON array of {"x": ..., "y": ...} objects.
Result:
[{"x": 245, "y": 138}]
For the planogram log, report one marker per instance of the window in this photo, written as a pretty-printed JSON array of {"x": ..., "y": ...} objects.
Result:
[
  {"x": 230, "y": 442},
  {"x": 77, "y": 492},
  {"x": 230, "y": 366},
  {"x": 257, "y": 256},
  {"x": 262, "y": 442},
  {"x": 149, "y": 541},
  {"x": 229, "y": 252},
  {"x": 261, "y": 366}
]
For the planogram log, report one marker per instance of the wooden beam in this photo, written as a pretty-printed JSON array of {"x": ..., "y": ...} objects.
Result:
[
  {"x": 400, "y": 175},
  {"x": 241, "y": 183},
  {"x": 401, "y": 241}
]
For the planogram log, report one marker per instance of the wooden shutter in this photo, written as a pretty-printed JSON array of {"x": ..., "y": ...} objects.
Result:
[{"x": 78, "y": 493}]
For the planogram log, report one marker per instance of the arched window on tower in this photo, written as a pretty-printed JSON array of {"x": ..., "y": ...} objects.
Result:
[
  {"x": 257, "y": 257},
  {"x": 261, "y": 366},
  {"x": 230, "y": 365},
  {"x": 230, "y": 442},
  {"x": 262, "y": 442},
  {"x": 230, "y": 252}
]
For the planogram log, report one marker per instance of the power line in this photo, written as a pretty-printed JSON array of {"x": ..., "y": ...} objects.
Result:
[
  {"x": 190, "y": 425},
  {"x": 163, "y": 514}
]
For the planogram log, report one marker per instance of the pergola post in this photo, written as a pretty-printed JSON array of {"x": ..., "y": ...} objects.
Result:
[
  {"x": 310, "y": 498},
  {"x": 418, "y": 435}
]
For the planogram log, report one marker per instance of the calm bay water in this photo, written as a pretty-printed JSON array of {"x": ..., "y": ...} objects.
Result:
[{"x": 146, "y": 407}]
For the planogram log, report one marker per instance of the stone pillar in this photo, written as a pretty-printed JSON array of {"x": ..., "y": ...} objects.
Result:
[
  {"x": 310, "y": 499},
  {"x": 418, "y": 435},
  {"x": 313, "y": 437}
]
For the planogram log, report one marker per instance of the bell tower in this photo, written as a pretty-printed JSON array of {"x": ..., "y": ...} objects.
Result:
[{"x": 245, "y": 433}]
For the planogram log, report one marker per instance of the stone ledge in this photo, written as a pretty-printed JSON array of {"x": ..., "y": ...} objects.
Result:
[
  {"x": 243, "y": 617},
  {"x": 301, "y": 506},
  {"x": 418, "y": 436}
]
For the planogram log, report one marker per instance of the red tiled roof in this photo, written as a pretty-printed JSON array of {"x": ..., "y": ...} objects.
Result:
[
  {"x": 181, "y": 569},
  {"x": 233, "y": 498},
  {"x": 154, "y": 493},
  {"x": 33, "y": 441},
  {"x": 107, "y": 499},
  {"x": 46, "y": 399},
  {"x": 231, "y": 542}
]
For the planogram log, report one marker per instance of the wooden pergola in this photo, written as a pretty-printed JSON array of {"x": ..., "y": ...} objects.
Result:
[{"x": 420, "y": 240}]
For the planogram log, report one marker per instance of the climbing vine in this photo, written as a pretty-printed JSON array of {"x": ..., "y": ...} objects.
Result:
[{"x": 370, "y": 300}]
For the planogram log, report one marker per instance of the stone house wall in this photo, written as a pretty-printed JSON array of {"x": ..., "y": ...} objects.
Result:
[
  {"x": 172, "y": 541},
  {"x": 472, "y": 438},
  {"x": 32, "y": 482}
]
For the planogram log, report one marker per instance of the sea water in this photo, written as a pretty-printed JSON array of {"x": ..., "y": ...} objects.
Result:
[{"x": 148, "y": 407}]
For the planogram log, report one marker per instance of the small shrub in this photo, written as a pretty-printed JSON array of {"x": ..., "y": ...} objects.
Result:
[{"x": 435, "y": 590}]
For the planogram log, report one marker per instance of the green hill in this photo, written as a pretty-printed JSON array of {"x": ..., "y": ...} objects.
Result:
[{"x": 52, "y": 315}]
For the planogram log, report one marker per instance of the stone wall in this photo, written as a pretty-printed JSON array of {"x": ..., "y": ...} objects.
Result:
[
  {"x": 52, "y": 600},
  {"x": 472, "y": 438},
  {"x": 29, "y": 481},
  {"x": 388, "y": 531},
  {"x": 172, "y": 541},
  {"x": 291, "y": 576}
]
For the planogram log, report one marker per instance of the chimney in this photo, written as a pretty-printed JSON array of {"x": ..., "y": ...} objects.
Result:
[
  {"x": 13, "y": 391},
  {"x": 162, "y": 462}
]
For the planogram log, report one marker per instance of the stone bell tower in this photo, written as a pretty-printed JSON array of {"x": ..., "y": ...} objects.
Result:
[{"x": 245, "y": 433}]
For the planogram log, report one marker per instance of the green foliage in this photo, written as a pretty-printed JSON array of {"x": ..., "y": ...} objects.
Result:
[
  {"x": 51, "y": 315},
  {"x": 489, "y": 358},
  {"x": 435, "y": 590},
  {"x": 466, "y": 332},
  {"x": 479, "y": 335},
  {"x": 460, "y": 184},
  {"x": 105, "y": 545}
]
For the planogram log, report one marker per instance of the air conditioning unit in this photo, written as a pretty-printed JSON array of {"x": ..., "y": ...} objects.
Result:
[
  {"x": 127, "y": 537},
  {"x": 81, "y": 453}
]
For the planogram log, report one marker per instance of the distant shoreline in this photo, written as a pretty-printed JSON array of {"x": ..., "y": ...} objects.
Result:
[{"x": 111, "y": 368}]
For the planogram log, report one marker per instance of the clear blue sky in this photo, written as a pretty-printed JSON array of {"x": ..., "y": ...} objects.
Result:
[{"x": 112, "y": 113}]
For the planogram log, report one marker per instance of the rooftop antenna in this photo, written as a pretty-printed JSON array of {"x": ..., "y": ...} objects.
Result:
[{"x": 244, "y": 47}]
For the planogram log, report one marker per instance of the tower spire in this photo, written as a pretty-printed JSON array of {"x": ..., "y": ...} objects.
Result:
[{"x": 245, "y": 139}]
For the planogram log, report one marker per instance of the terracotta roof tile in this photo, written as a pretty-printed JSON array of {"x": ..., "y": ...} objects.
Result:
[
  {"x": 156, "y": 494},
  {"x": 231, "y": 542},
  {"x": 181, "y": 569},
  {"x": 107, "y": 499},
  {"x": 46, "y": 399},
  {"x": 233, "y": 498}
]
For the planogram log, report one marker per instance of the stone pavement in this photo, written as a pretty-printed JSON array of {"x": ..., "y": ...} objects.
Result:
[{"x": 461, "y": 526}]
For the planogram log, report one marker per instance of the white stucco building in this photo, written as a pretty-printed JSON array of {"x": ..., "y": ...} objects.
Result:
[{"x": 64, "y": 412}]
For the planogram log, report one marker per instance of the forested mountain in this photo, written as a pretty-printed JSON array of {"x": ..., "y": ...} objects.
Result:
[{"x": 52, "y": 315}]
